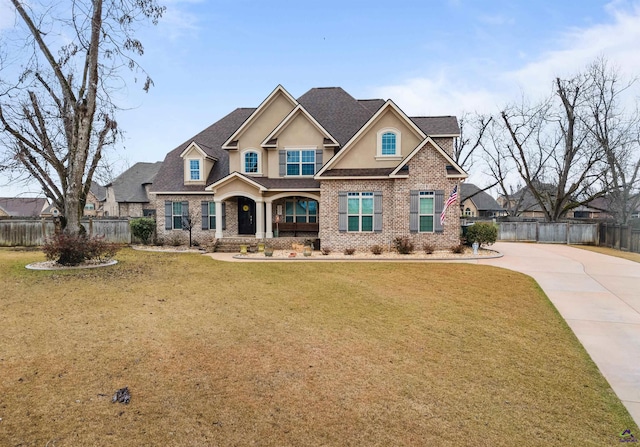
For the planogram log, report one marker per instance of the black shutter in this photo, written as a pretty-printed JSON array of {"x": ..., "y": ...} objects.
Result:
[
  {"x": 224, "y": 215},
  {"x": 377, "y": 211},
  {"x": 205, "y": 215},
  {"x": 414, "y": 207},
  {"x": 438, "y": 205},
  {"x": 342, "y": 211},
  {"x": 168, "y": 224}
]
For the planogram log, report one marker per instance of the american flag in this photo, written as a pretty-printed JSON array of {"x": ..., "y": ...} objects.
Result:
[{"x": 452, "y": 199}]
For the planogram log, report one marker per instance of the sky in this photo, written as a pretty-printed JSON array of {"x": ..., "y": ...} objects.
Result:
[{"x": 433, "y": 58}]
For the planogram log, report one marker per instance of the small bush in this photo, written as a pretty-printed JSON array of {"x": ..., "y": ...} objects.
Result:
[
  {"x": 428, "y": 248},
  {"x": 325, "y": 251},
  {"x": 349, "y": 251},
  {"x": 403, "y": 245},
  {"x": 484, "y": 233},
  {"x": 143, "y": 228},
  {"x": 377, "y": 249},
  {"x": 74, "y": 249},
  {"x": 174, "y": 240},
  {"x": 458, "y": 249}
]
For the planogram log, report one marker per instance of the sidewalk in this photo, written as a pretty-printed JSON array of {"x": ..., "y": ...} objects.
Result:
[{"x": 599, "y": 297}]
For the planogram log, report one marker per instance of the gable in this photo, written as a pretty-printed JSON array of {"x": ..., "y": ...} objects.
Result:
[
  {"x": 300, "y": 129},
  {"x": 262, "y": 121},
  {"x": 362, "y": 151}
]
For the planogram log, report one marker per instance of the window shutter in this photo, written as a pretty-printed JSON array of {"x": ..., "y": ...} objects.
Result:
[
  {"x": 438, "y": 204},
  {"x": 414, "y": 207},
  {"x": 318, "y": 160},
  {"x": 168, "y": 224},
  {"x": 224, "y": 215},
  {"x": 283, "y": 162},
  {"x": 377, "y": 211},
  {"x": 185, "y": 214},
  {"x": 205, "y": 215},
  {"x": 342, "y": 211}
]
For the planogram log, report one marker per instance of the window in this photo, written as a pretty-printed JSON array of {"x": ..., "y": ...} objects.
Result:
[
  {"x": 425, "y": 212},
  {"x": 388, "y": 143},
  {"x": 301, "y": 211},
  {"x": 90, "y": 207},
  {"x": 212, "y": 215},
  {"x": 360, "y": 211},
  {"x": 176, "y": 215},
  {"x": 301, "y": 162},
  {"x": 467, "y": 212},
  {"x": 251, "y": 162},
  {"x": 194, "y": 169}
]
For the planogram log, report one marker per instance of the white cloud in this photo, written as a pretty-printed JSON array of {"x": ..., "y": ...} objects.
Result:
[{"x": 485, "y": 88}]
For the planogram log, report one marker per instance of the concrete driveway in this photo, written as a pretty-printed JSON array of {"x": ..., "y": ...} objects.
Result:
[{"x": 599, "y": 297}]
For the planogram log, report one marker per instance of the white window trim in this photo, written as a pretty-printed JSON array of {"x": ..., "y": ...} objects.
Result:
[
  {"x": 429, "y": 195},
  {"x": 398, "y": 154},
  {"x": 173, "y": 215},
  {"x": 243, "y": 166},
  {"x": 300, "y": 163},
  {"x": 360, "y": 195},
  {"x": 188, "y": 170}
]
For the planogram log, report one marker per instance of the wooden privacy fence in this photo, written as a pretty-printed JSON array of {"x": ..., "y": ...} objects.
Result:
[
  {"x": 32, "y": 233},
  {"x": 549, "y": 232},
  {"x": 620, "y": 237}
]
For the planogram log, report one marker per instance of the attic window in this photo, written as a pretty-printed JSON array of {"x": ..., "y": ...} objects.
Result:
[
  {"x": 389, "y": 146},
  {"x": 194, "y": 169}
]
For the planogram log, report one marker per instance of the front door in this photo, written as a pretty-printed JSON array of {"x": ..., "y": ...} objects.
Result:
[{"x": 246, "y": 216}]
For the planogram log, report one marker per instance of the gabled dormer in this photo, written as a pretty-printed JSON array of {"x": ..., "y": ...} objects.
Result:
[{"x": 197, "y": 164}]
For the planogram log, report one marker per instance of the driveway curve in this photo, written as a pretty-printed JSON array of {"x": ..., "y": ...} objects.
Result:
[{"x": 599, "y": 297}]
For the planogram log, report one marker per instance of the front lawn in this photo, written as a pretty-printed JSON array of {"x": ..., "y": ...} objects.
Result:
[{"x": 291, "y": 354}]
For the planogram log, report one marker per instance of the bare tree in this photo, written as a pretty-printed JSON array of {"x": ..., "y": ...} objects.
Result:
[
  {"x": 617, "y": 133},
  {"x": 56, "y": 109},
  {"x": 552, "y": 150}
]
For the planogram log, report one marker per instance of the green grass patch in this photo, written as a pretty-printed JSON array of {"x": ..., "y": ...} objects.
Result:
[{"x": 299, "y": 354}]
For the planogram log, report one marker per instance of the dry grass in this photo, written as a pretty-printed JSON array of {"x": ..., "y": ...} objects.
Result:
[
  {"x": 635, "y": 257},
  {"x": 291, "y": 354}
]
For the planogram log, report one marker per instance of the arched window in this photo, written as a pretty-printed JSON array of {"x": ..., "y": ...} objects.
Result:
[
  {"x": 251, "y": 162},
  {"x": 388, "y": 143}
]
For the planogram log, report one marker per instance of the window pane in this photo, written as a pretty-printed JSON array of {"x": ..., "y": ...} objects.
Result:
[
  {"x": 426, "y": 205},
  {"x": 301, "y": 219},
  {"x": 308, "y": 156},
  {"x": 426, "y": 223},
  {"x": 293, "y": 156},
  {"x": 308, "y": 169},
  {"x": 212, "y": 222},
  {"x": 251, "y": 162},
  {"x": 313, "y": 219},
  {"x": 177, "y": 208},
  {"x": 367, "y": 223},
  {"x": 293, "y": 169},
  {"x": 313, "y": 207},
  {"x": 367, "y": 205},
  {"x": 212, "y": 209},
  {"x": 301, "y": 207},
  {"x": 354, "y": 206},
  {"x": 354, "y": 223},
  {"x": 389, "y": 144},
  {"x": 288, "y": 207},
  {"x": 177, "y": 222}
]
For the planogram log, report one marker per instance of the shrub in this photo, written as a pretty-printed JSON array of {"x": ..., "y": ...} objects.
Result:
[
  {"x": 377, "y": 249},
  {"x": 174, "y": 240},
  {"x": 349, "y": 251},
  {"x": 483, "y": 233},
  {"x": 428, "y": 248},
  {"x": 143, "y": 228},
  {"x": 74, "y": 249},
  {"x": 458, "y": 249},
  {"x": 403, "y": 245},
  {"x": 325, "y": 251}
]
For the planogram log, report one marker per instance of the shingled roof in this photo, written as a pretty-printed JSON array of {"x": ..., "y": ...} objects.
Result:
[
  {"x": 482, "y": 200},
  {"x": 130, "y": 185},
  {"x": 23, "y": 206},
  {"x": 336, "y": 110}
]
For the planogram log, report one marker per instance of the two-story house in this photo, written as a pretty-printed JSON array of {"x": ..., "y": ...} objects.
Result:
[{"x": 353, "y": 173}]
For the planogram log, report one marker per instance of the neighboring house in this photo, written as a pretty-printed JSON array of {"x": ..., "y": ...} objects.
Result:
[
  {"x": 128, "y": 194},
  {"x": 477, "y": 203},
  {"x": 523, "y": 203},
  {"x": 353, "y": 173},
  {"x": 94, "y": 205},
  {"x": 22, "y": 207}
]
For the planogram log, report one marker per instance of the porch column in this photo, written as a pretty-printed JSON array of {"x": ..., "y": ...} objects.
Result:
[
  {"x": 218, "y": 218},
  {"x": 259, "y": 220},
  {"x": 269, "y": 219}
]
